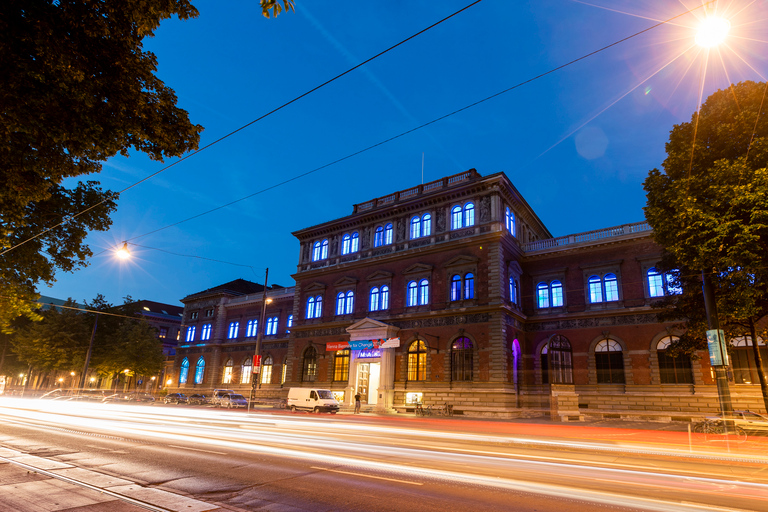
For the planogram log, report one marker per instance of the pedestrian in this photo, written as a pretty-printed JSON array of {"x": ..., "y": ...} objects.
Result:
[{"x": 357, "y": 403}]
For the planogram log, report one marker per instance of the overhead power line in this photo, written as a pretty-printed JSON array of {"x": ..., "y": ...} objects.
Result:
[
  {"x": 402, "y": 134},
  {"x": 243, "y": 127}
]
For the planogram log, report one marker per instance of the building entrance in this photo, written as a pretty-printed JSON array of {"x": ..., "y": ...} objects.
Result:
[{"x": 368, "y": 377}]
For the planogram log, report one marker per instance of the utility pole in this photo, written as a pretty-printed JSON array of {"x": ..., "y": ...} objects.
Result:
[
  {"x": 256, "y": 383},
  {"x": 718, "y": 353}
]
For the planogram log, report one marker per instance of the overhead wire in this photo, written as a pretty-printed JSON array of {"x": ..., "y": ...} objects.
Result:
[
  {"x": 419, "y": 127},
  {"x": 310, "y": 91}
]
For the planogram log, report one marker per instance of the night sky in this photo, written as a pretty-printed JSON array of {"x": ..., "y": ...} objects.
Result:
[{"x": 576, "y": 143}]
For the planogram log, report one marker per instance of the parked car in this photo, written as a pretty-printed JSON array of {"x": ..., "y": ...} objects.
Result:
[
  {"x": 315, "y": 400},
  {"x": 198, "y": 399},
  {"x": 217, "y": 394},
  {"x": 750, "y": 422},
  {"x": 130, "y": 397},
  {"x": 175, "y": 398},
  {"x": 232, "y": 400}
]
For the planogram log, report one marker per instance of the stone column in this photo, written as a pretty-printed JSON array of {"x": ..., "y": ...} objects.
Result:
[{"x": 387, "y": 381}]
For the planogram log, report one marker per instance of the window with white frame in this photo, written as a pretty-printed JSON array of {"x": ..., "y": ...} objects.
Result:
[
  {"x": 320, "y": 250},
  {"x": 251, "y": 328},
  {"x": 549, "y": 295},
  {"x": 510, "y": 221},
  {"x": 271, "y": 326},
  {"x": 463, "y": 216},
  {"x": 315, "y": 306},
  {"x": 205, "y": 332},
  {"x": 190, "y": 333},
  {"x": 246, "y": 370},
  {"x": 350, "y": 243},
  {"x": 266, "y": 370},
  {"x": 421, "y": 226},
  {"x": 379, "y": 298},
  {"x": 662, "y": 283},
  {"x": 234, "y": 327},
  {"x": 418, "y": 293},
  {"x": 603, "y": 289},
  {"x": 345, "y": 302},
  {"x": 228, "y": 369},
  {"x": 382, "y": 235},
  {"x": 609, "y": 362},
  {"x": 463, "y": 287}
]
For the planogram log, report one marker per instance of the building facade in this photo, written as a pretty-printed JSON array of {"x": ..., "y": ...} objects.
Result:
[{"x": 455, "y": 292}]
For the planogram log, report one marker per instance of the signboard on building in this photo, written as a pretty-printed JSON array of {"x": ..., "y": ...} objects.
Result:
[
  {"x": 368, "y": 353},
  {"x": 362, "y": 344},
  {"x": 718, "y": 354}
]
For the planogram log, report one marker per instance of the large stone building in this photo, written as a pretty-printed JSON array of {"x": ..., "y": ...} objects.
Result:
[{"x": 454, "y": 291}]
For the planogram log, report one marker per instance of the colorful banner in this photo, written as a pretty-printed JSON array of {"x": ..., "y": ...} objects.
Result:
[{"x": 362, "y": 344}]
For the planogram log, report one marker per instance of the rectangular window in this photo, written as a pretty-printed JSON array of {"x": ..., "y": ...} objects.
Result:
[
  {"x": 234, "y": 327},
  {"x": 193, "y": 315},
  {"x": 595, "y": 292},
  {"x": 655, "y": 285},
  {"x": 557, "y": 296},
  {"x": 205, "y": 333},
  {"x": 163, "y": 333},
  {"x": 208, "y": 313}
]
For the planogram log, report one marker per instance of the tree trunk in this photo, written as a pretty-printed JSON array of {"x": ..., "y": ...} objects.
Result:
[{"x": 759, "y": 363}]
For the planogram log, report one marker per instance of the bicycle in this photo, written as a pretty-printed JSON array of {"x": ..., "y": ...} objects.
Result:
[
  {"x": 422, "y": 411},
  {"x": 445, "y": 410},
  {"x": 715, "y": 430}
]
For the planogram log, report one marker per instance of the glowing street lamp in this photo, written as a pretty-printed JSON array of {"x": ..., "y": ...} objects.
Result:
[
  {"x": 712, "y": 31},
  {"x": 123, "y": 253}
]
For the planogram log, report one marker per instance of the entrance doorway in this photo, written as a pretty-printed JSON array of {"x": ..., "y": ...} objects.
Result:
[{"x": 368, "y": 377}]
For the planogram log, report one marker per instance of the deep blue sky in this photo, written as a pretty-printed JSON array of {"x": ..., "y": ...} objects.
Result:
[{"x": 577, "y": 143}]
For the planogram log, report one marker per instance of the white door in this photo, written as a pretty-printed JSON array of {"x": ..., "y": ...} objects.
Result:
[{"x": 373, "y": 383}]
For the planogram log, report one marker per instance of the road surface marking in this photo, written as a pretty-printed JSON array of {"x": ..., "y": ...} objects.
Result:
[
  {"x": 367, "y": 476},
  {"x": 196, "y": 449}
]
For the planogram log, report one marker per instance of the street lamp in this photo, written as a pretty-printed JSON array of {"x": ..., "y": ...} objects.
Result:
[
  {"x": 72, "y": 374},
  {"x": 712, "y": 31},
  {"x": 257, "y": 354},
  {"x": 123, "y": 253}
]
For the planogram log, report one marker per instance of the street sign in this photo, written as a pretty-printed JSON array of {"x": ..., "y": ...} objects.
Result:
[
  {"x": 256, "y": 363},
  {"x": 718, "y": 353}
]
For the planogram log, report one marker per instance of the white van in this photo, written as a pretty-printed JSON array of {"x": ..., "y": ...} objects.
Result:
[{"x": 315, "y": 400}]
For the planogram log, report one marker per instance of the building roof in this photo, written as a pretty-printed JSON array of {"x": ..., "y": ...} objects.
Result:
[{"x": 234, "y": 288}]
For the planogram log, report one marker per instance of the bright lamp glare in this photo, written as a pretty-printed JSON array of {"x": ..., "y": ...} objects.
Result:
[
  {"x": 712, "y": 32},
  {"x": 123, "y": 253}
]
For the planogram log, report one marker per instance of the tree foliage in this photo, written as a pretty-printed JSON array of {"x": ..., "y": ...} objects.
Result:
[
  {"x": 78, "y": 88},
  {"x": 708, "y": 208}
]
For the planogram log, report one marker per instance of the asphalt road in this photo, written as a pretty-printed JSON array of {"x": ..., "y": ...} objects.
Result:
[{"x": 293, "y": 461}]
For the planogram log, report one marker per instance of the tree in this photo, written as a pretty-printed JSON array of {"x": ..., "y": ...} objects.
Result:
[{"x": 709, "y": 210}]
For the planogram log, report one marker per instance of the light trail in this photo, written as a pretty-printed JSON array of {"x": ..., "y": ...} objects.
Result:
[{"x": 297, "y": 438}]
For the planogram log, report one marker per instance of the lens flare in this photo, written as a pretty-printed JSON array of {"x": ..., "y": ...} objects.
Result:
[{"x": 712, "y": 31}]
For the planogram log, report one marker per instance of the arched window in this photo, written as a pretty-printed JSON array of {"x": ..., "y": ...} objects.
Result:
[
  {"x": 384, "y": 304},
  {"x": 378, "y": 237},
  {"x": 227, "y": 377},
  {"x": 557, "y": 361},
  {"x": 469, "y": 214},
  {"x": 743, "y": 359},
  {"x": 456, "y": 287},
  {"x": 661, "y": 284},
  {"x": 234, "y": 328},
  {"x": 289, "y": 323},
  {"x": 190, "y": 333},
  {"x": 556, "y": 289},
  {"x": 549, "y": 295},
  {"x": 246, "y": 370},
  {"x": 199, "y": 371},
  {"x": 205, "y": 332},
  {"x": 266, "y": 370},
  {"x": 461, "y": 360},
  {"x": 673, "y": 370},
  {"x": 184, "y": 371},
  {"x": 426, "y": 224},
  {"x": 315, "y": 306},
  {"x": 609, "y": 362},
  {"x": 603, "y": 289},
  {"x": 379, "y": 298},
  {"x": 346, "y": 243},
  {"x": 320, "y": 250},
  {"x": 542, "y": 295},
  {"x": 469, "y": 286},
  {"x": 510, "y": 221},
  {"x": 412, "y": 296},
  {"x": 415, "y": 227},
  {"x": 251, "y": 327},
  {"x": 355, "y": 245},
  {"x": 462, "y": 216},
  {"x": 417, "y": 361},
  {"x": 374, "y": 299},
  {"x": 271, "y": 326},
  {"x": 456, "y": 217},
  {"x": 388, "y": 234},
  {"x": 309, "y": 365},
  {"x": 513, "y": 291},
  {"x": 345, "y": 302},
  {"x": 423, "y": 292},
  {"x": 284, "y": 373},
  {"x": 324, "y": 249},
  {"x": 341, "y": 365}
]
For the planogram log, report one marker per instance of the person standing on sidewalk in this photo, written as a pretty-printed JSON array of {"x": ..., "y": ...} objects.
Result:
[{"x": 357, "y": 403}]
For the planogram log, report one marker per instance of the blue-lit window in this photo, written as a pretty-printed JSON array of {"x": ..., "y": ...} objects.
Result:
[
  {"x": 418, "y": 293},
  {"x": 205, "y": 332},
  {"x": 463, "y": 216},
  {"x": 251, "y": 328},
  {"x": 345, "y": 302},
  {"x": 383, "y": 235},
  {"x": 184, "y": 371},
  {"x": 605, "y": 289},
  {"x": 469, "y": 286},
  {"x": 660, "y": 284},
  {"x": 320, "y": 250},
  {"x": 199, "y": 371},
  {"x": 549, "y": 294},
  {"x": 513, "y": 291},
  {"x": 456, "y": 287},
  {"x": 463, "y": 288},
  {"x": 350, "y": 243},
  {"x": 190, "y": 333},
  {"x": 234, "y": 327},
  {"x": 379, "y": 298},
  {"x": 315, "y": 306},
  {"x": 271, "y": 326},
  {"x": 289, "y": 323},
  {"x": 510, "y": 221},
  {"x": 421, "y": 226}
]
